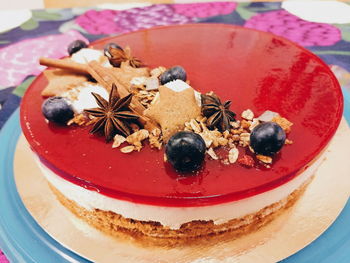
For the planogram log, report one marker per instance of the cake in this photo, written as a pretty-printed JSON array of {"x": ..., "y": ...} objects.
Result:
[{"x": 159, "y": 156}]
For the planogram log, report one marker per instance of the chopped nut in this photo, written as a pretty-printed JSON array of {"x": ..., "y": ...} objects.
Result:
[
  {"x": 79, "y": 119},
  {"x": 226, "y": 134},
  {"x": 248, "y": 115},
  {"x": 222, "y": 141},
  {"x": 212, "y": 154},
  {"x": 231, "y": 143},
  {"x": 195, "y": 126},
  {"x": 267, "y": 116},
  {"x": 244, "y": 139},
  {"x": 207, "y": 138},
  {"x": 247, "y": 161},
  {"x": 155, "y": 140},
  {"x": 254, "y": 123},
  {"x": 245, "y": 124},
  {"x": 288, "y": 141},
  {"x": 283, "y": 122},
  {"x": 233, "y": 155},
  {"x": 165, "y": 158},
  {"x": 156, "y": 132},
  {"x": 127, "y": 149},
  {"x": 235, "y": 138},
  {"x": 264, "y": 159},
  {"x": 118, "y": 140},
  {"x": 137, "y": 136},
  {"x": 235, "y": 124}
]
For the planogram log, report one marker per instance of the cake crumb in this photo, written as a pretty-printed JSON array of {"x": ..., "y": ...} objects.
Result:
[{"x": 247, "y": 161}]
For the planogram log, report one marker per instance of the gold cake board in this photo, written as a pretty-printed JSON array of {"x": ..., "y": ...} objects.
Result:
[{"x": 316, "y": 210}]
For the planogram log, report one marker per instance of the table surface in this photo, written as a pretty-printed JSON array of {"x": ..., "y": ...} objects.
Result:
[{"x": 26, "y": 35}]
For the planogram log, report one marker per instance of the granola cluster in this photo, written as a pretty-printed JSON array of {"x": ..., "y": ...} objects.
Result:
[{"x": 238, "y": 135}]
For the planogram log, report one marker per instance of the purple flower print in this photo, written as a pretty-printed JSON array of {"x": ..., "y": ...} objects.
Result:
[
  {"x": 147, "y": 17},
  {"x": 202, "y": 10},
  {"x": 21, "y": 59},
  {"x": 98, "y": 22},
  {"x": 289, "y": 26}
]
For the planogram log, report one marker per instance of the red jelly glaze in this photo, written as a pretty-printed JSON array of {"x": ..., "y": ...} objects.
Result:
[{"x": 255, "y": 70}]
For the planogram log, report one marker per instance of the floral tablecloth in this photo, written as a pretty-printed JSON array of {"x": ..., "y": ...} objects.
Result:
[{"x": 322, "y": 27}]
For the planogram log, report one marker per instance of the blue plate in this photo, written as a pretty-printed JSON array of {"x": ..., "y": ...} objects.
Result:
[{"x": 23, "y": 240}]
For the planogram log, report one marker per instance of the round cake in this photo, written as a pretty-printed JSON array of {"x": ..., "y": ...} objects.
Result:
[{"x": 140, "y": 184}]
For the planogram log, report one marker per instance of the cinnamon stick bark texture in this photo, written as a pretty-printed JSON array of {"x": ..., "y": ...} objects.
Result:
[{"x": 64, "y": 64}]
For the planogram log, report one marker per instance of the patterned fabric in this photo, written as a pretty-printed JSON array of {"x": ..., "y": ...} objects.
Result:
[{"x": 48, "y": 33}]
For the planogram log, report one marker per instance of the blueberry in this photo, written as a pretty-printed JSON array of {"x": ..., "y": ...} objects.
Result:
[
  {"x": 57, "y": 109},
  {"x": 267, "y": 138},
  {"x": 75, "y": 46},
  {"x": 110, "y": 45},
  {"x": 173, "y": 73},
  {"x": 185, "y": 151}
]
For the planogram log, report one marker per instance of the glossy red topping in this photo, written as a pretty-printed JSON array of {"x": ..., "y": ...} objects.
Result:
[{"x": 253, "y": 69}]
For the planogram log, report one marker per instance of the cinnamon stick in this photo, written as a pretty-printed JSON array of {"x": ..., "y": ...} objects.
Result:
[{"x": 64, "y": 64}]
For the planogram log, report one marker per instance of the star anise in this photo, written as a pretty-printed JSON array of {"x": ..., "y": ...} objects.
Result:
[
  {"x": 113, "y": 115},
  {"x": 218, "y": 114},
  {"x": 118, "y": 55}
]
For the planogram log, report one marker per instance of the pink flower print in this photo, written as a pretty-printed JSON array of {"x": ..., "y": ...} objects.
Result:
[
  {"x": 21, "y": 59},
  {"x": 3, "y": 259},
  {"x": 147, "y": 17},
  {"x": 205, "y": 9},
  {"x": 98, "y": 22},
  {"x": 292, "y": 27}
]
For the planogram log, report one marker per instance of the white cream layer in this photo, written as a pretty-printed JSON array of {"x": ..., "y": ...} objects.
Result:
[{"x": 174, "y": 217}]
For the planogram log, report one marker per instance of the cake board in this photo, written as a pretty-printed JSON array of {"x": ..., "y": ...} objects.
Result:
[{"x": 24, "y": 239}]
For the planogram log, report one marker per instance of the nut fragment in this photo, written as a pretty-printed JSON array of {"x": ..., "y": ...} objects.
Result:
[
  {"x": 212, "y": 154},
  {"x": 235, "y": 124},
  {"x": 244, "y": 139},
  {"x": 118, "y": 140},
  {"x": 79, "y": 119},
  {"x": 248, "y": 115},
  {"x": 155, "y": 139},
  {"x": 137, "y": 137},
  {"x": 264, "y": 158},
  {"x": 195, "y": 126},
  {"x": 245, "y": 124},
  {"x": 233, "y": 155},
  {"x": 283, "y": 122},
  {"x": 127, "y": 149},
  {"x": 254, "y": 123},
  {"x": 267, "y": 116},
  {"x": 288, "y": 141}
]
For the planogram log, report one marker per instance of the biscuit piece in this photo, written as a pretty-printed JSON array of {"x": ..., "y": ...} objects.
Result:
[
  {"x": 173, "y": 109},
  {"x": 126, "y": 73},
  {"x": 61, "y": 81}
]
